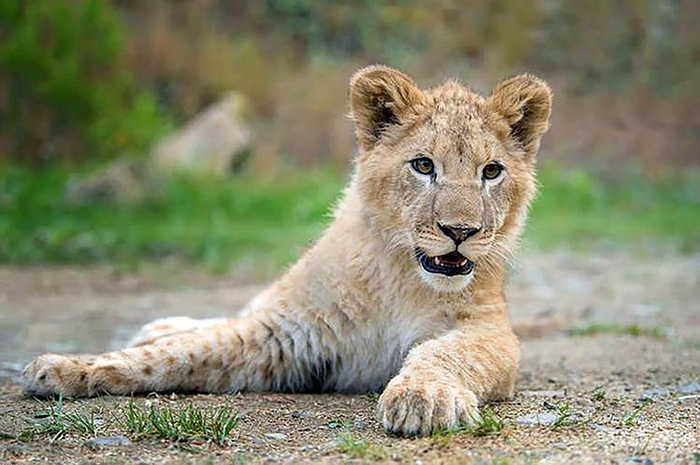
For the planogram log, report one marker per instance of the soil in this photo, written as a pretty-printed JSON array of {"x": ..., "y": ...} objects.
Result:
[{"x": 613, "y": 395}]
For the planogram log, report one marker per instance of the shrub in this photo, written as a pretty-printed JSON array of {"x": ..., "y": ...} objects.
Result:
[{"x": 68, "y": 90}]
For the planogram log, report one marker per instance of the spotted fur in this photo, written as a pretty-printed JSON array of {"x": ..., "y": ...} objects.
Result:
[{"x": 358, "y": 313}]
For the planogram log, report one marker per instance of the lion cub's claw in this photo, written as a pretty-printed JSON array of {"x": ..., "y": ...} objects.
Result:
[{"x": 413, "y": 407}]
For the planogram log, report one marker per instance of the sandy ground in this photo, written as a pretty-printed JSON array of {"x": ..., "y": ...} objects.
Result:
[{"x": 595, "y": 382}]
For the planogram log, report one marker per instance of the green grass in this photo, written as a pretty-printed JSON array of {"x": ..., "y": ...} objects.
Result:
[
  {"x": 178, "y": 424},
  {"x": 599, "y": 393},
  {"x": 691, "y": 344},
  {"x": 181, "y": 423},
  {"x": 359, "y": 448},
  {"x": 218, "y": 222},
  {"x": 54, "y": 421},
  {"x": 635, "y": 330},
  {"x": 488, "y": 425},
  {"x": 214, "y": 222},
  {"x": 631, "y": 419},
  {"x": 576, "y": 208},
  {"x": 352, "y": 444},
  {"x": 566, "y": 415}
]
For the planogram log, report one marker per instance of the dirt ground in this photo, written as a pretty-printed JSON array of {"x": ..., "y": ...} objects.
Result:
[{"x": 615, "y": 394}]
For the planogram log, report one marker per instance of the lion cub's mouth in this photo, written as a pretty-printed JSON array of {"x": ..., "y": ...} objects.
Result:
[{"x": 451, "y": 264}]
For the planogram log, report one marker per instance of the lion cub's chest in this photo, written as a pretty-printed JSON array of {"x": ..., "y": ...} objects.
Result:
[{"x": 375, "y": 353}]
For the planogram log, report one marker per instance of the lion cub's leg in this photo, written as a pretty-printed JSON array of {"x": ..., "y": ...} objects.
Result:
[
  {"x": 162, "y": 327},
  {"x": 237, "y": 354},
  {"x": 443, "y": 380}
]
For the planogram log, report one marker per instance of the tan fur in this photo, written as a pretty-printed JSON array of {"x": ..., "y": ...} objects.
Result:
[{"x": 358, "y": 312}]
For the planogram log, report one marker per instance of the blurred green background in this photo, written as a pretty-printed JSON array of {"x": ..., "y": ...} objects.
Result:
[{"x": 89, "y": 84}]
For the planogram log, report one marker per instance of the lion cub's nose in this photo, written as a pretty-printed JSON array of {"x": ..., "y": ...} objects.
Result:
[{"x": 458, "y": 233}]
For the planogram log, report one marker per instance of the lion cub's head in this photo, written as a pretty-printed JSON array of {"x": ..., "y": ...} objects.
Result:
[{"x": 445, "y": 174}]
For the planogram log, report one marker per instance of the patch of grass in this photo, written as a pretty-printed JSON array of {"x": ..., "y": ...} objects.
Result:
[
  {"x": 599, "y": 393},
  {"x": 55, "y": 421},
  {"x": 441, "y": 439},
  {"x": 634, "y": 330},
  {"x": 270, "y": 221},
  {"x": 487, "y": 425},
  {"x": 339, "y": 423},
  {"x": 691, "y": 344},
  {"x": 208, "y": 221},
  {"x": 579, "y": 208},
  {"x": 501, "y": 461},
  {"x": 566, "y": 415},
  {"x": 359, "y": 448},
  {"x": 631, "y": 419},
  {"x": 184, "y": 423}
]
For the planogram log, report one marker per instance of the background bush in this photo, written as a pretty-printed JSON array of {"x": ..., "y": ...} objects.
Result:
[
  {"x": 68, "y": 91},
  {"x": 84, "y": 78}
]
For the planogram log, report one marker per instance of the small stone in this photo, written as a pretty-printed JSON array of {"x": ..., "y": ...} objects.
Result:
[
  {"x": 538, "y": 419},
  {"x": 653, "y": 393},
  {"x": 603, "y": 429},
  {"x": 692, "y": 388},
  {"x": 359, "y": 424},
  {"x": 335, "y": 424},
  {"x": 108, "y": 441},
  {"x": 276, "y": 436},
  {"x": 642, "y": 460},
  {"x": 17, "y": 450},
  {"x": 301, "y": 414}
]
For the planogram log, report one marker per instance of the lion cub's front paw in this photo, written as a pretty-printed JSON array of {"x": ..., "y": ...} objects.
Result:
[
  {"x": 51, "y": 374},
  {"x": 411, "y": 406}
]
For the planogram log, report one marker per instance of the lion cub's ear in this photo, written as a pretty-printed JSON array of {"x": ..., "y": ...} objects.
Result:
[
  {"x": 381, "y": 97},
  {"x": 525, "y": 102}
]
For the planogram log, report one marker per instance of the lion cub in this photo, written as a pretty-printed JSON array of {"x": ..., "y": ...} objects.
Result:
[{"x": 404, "y": 291}]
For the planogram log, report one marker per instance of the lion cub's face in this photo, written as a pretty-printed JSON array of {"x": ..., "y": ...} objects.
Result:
[{"x": 446, "y": 175}]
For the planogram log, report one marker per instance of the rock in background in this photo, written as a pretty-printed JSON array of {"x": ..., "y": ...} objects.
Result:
[{"x": 212, "y": 144}]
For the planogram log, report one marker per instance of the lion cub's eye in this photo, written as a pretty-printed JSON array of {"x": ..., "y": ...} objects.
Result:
[
  {"x": 492, "y": 171},
  {"x": 423, "y": 165}
]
